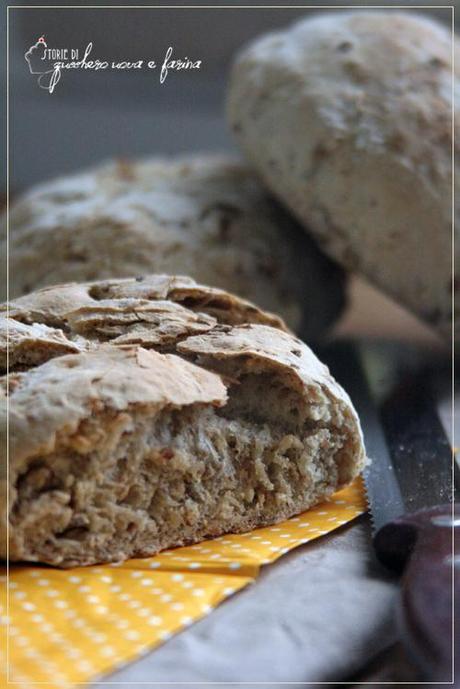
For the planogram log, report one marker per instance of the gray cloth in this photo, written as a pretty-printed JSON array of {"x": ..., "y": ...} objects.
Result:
[{"x": 318, "y": 614}]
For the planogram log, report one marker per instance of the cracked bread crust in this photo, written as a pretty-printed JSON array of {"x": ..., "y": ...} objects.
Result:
[
  {"x": 347, "y": 117},
  {"x": 153, "y": 311},
  {"x": 121, "y": 449},
  {"x": 25, "y": 345},
  {"x": 206, "y": 216}
]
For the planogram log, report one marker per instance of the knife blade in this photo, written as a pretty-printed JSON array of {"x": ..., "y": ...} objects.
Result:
[
  {"x": 382, "y": 488},
  {"x": 410, "y": 488}
]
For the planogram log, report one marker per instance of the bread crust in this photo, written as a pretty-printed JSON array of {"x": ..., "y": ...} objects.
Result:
[
  {"x": 23, "y": 345},
  {"x": 56, "y": 396},
  {"x": 206, "y": 216},
  {"x": 347, "y": 116},
  {"x": 200, "y": 372}
]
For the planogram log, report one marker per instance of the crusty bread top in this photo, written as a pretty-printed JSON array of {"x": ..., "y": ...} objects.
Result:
[
  {"x": 109, "y": 374},
  {"x": 155, "y": 299},
  {"x": 383, "y": 78},
  {"x": 258, "y": 347},
  {"x": 86, "y": 319},
  {"x": 22, "y": 341},
  {"x": 254, "y": 348}
]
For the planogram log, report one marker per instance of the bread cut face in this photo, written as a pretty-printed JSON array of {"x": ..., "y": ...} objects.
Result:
[
  {"x": 347, "y": 117},
  {"x": 146, "y": 414},
  {"x": 207, "y": 216}
]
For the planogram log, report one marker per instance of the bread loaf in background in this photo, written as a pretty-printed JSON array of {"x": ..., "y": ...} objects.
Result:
[
  {"x": 206, "y": 216},
  {"x": 347, "y": 117},
  {"x": 155, "y": 412}
]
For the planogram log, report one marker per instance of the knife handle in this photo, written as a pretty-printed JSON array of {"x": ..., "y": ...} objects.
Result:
[{"x": 422, "y": 546}]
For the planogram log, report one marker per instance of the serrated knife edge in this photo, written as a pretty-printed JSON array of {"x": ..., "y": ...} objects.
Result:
[{"x": 383, "y": 494}]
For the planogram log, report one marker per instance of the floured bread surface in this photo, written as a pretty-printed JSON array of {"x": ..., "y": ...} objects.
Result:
[
  {"x": 205, "y": 216},
  {"x": 152, "y": 413},
  {"x": 347, "y": 116}
]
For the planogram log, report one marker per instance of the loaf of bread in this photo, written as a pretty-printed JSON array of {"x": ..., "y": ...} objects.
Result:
[
  {"x": 206, "y": 216},
  {"x": 155, "y": 412},
  {"x": 347, "y": 117}
]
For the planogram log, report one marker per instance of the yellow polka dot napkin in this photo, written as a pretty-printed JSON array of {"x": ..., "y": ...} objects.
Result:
[{"x": 77, "y": 625}]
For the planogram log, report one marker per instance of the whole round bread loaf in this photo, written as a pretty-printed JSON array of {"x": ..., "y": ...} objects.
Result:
[
  {"x": 347, "y": 117},
  {"x": 155, "y": 412},
  {"x": 205, "y": 216}
]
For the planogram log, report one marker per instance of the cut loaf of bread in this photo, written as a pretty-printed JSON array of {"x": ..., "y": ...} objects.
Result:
[{"x": 152, "y": 413}]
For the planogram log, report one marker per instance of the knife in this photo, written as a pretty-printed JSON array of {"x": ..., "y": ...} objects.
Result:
[{"x": 410, "y": 485}]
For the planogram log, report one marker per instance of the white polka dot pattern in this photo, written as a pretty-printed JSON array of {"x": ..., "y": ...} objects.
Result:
[{"x": 73, "y": 626}]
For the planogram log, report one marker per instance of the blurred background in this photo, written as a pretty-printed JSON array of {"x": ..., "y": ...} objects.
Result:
[{"x": 97, "y": 115}]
